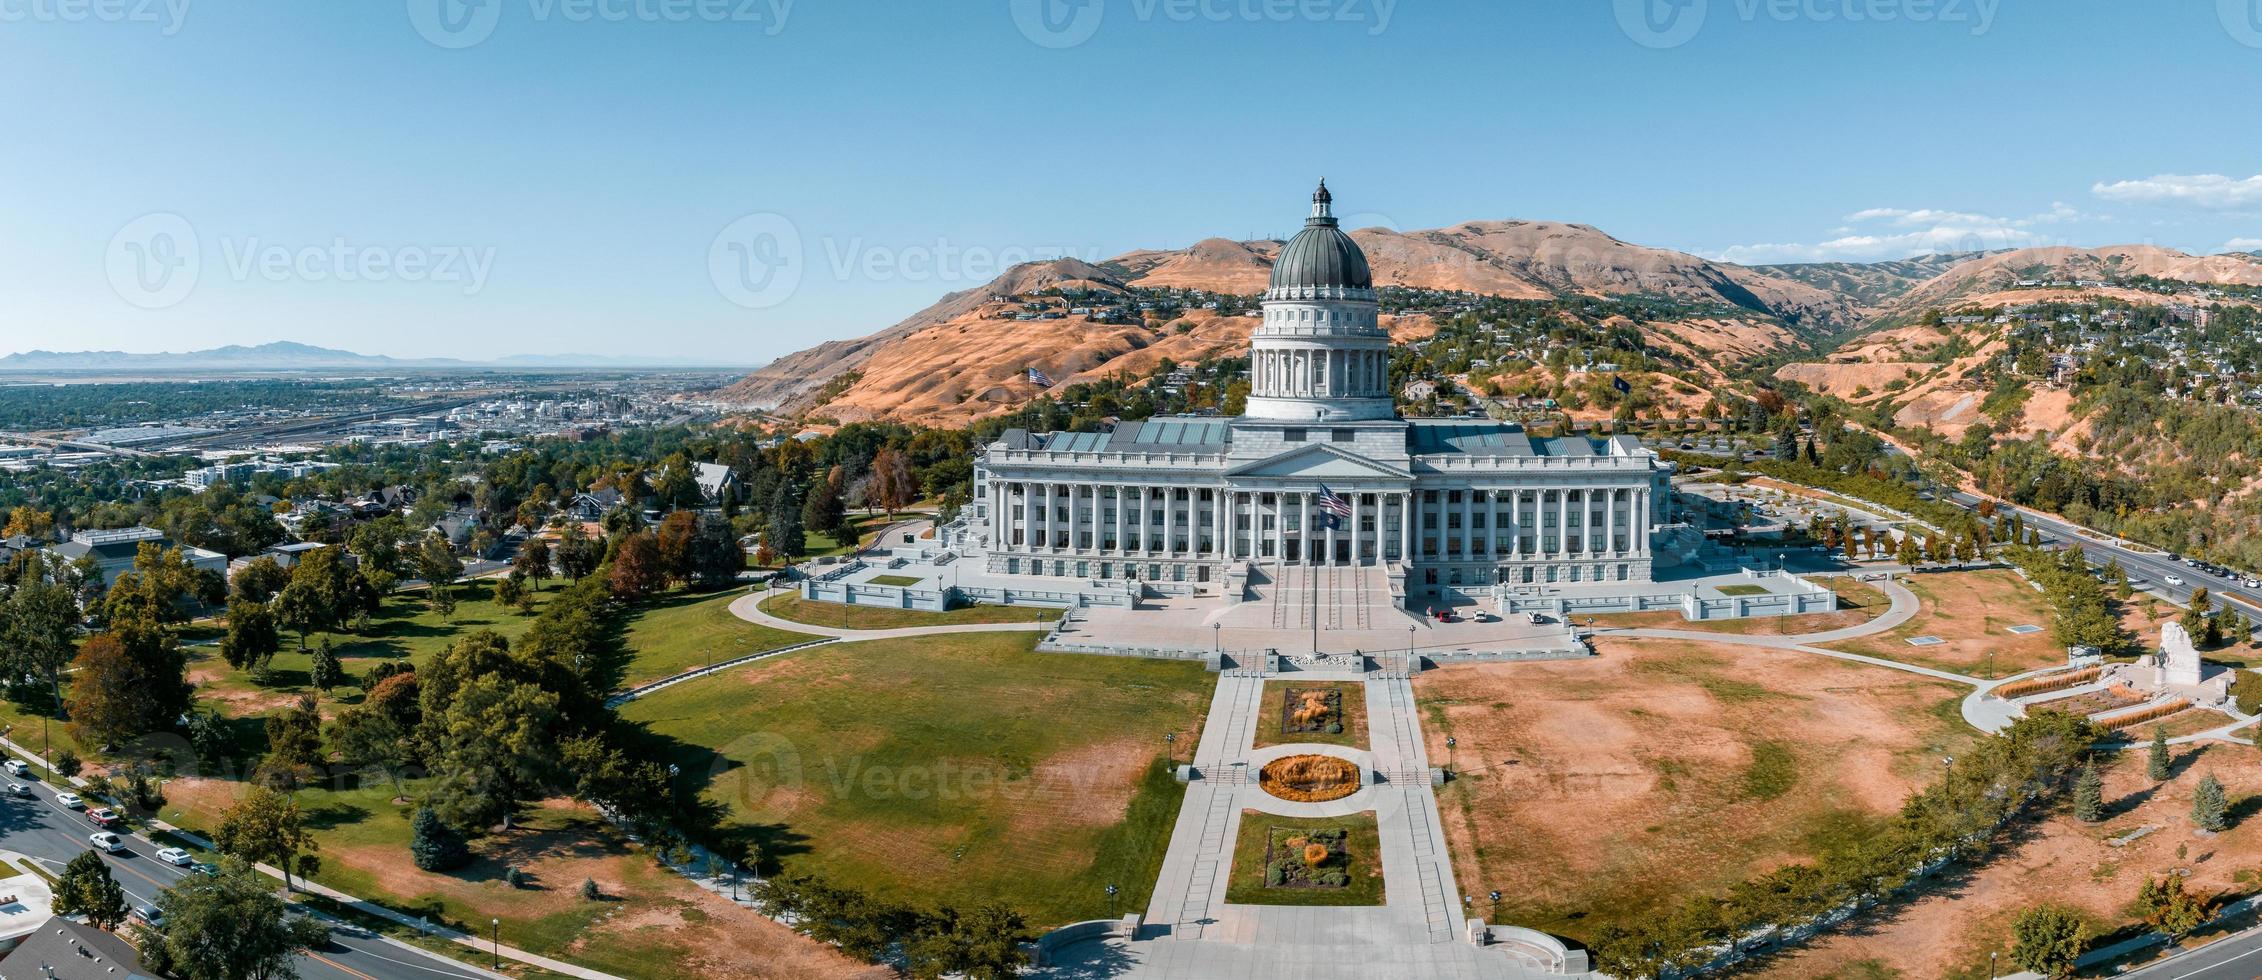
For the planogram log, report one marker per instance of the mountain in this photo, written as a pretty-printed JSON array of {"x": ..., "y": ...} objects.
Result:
[
  {"x": 288, "y": 356},
  {"x": 1993, "y": 279},
  {"x": 1873, "y": 285},
  {"x": 965, "y": 357}
]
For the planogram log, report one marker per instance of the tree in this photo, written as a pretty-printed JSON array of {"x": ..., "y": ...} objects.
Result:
[
  {"x": 30, "y": 522},
  {"x": 1907, "y": 554},
  {"x": 438, "y": 566},
  {"x": 266, "y": 827},
  {"x": 229, "y": 926},
  {"x": 2089, "y": 795},
  {"x": 892, "y": 484},
  {"x": 2209, "y": 809},
  {"x": 252, "y": 640},
  {"x": 128, "y": 682},
  {"x": 637, "y": 570},
  {"x": 259, "y": 579},
  {"x": 822, "y": 510},
  {"x": 716, "y": 558},
  {"x": 433, "y": 844},
  {"x": 493, "y": 747},
  {"x": 2156, "y": 759},
  {"x": 2167, "y": 907},
  {"x": 39, "y": 629},
  {"x": 375, "y": 735},
  {"x": 511, "y": 590},
  {"x": 294, "y": 734},
  {"x": 2238, "y": 628},
  {"x": 533, "y": 560},
  {"x": 578, "y": 555},
  {"x": 326, "y": 671},
  {"x": 785, "y": 534},
  {"x": 676, "y": 540},
  {"x": 984, "y": 944},
  {"x": 86, "y": 889},
  {"x": 2049, "y": 940}
]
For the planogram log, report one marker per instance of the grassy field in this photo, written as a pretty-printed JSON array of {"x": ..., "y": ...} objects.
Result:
[
  {"x": 791, "y": 607},
  {"x": 1973, "y": 611},
  {"x": 680, "y": 632},
  {"x": 898, "y": 581},
  {"x": 1363, "y": 849},
  {"x": 1272, "y": 713},
  {"x": 1690, "y": 766},
  {"x": 957, "y": 769}
]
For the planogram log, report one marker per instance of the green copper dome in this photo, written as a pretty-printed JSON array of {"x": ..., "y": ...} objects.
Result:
[{"x": 1322, "y": 255}]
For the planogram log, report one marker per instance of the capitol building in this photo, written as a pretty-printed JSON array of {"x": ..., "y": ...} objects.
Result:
[{"x": 1322, "y": 471}]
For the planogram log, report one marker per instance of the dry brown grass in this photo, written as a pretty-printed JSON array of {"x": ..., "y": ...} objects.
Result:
[
  {"x": 2047, "y": 683},
  {"x": 2138, "y": 717},
  {"x": 1310, "y": 778}
]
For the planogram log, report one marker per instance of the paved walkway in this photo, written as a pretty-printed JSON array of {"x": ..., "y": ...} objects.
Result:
[
  {"x": 748, "y": 608},
  {"x": 1192, "y": 932}
]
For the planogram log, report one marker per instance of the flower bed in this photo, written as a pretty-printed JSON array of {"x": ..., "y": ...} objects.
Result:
[
  {"x": 1311, "y": 711},
  {"x": 1309, "y": 778},
  {"x": 1307, "y": 859},
  {"x": 2047, "y": 683}
]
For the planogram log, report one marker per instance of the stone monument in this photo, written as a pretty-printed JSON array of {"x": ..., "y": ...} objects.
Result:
[{"x": 2179, "y": 660}]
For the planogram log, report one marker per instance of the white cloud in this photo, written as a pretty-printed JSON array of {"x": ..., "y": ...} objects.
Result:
[
  {"x": 2243, "y": 245},
  {"x": 1899, "y": 233},
  {"x": 2204, "y": 192}
]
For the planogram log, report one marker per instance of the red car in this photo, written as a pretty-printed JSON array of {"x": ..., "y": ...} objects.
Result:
[{"x": 103, "y": 816}]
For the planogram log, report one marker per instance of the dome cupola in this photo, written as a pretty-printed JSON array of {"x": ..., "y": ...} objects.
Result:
[{"x": 1322, "y": 256}]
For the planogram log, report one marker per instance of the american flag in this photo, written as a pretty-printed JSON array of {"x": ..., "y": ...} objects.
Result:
[
  {"x": 1039, "y": 379},
  {"x": 1334, "y": 510}
]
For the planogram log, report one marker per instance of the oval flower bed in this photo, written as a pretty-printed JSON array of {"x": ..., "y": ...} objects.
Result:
[{"x": 1309, "y": 778}]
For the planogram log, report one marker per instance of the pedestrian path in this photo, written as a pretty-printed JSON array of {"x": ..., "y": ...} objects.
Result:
[{"x": 749, "y": 608}]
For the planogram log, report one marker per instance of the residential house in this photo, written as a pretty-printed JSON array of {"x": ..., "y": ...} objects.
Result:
[
  {"x": 593, "y": 505},
  {"x": 60, "y": 949},
  {"x": 716, "y": 481}
]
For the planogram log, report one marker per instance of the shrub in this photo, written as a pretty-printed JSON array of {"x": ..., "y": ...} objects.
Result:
[
  {"x": 2247, "y": 690},
  {"x": 1315, "y": 854},
  {"x": 2047, "y": 682},
  {"x": 1335, "y": 728},
  {"x": 514, "y": 878},
  {"x": 2141, "y": 715},
  {"x": 589, "y": 889},
  {"x": 67, "y": 763}
]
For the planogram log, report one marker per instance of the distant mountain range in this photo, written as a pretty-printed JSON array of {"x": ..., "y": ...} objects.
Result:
[{"x": 288, "y": 356}]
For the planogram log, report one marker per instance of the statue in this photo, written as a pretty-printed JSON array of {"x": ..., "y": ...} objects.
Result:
[{"x": 2179, "y": 659}]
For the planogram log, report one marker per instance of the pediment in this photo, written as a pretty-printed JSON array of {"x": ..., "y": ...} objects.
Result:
[{"x": 1319, "y": 463}]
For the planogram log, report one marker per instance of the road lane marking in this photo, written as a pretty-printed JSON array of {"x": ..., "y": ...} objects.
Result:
[{"x": 319, "y": 958}]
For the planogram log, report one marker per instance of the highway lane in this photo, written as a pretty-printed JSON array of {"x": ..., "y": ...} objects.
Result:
[
  {"x": 44, "y": 830},
  {"x": 2152, "y": 567}
]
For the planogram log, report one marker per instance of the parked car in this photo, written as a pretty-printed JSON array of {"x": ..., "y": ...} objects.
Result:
[
  {"x": 206, "y": 868},
  {"x": 176, "y": 857},
  {"x": 149, "y": 915},
  {"x": 103, "y": 815},
  {"x": 107, "y": 842},
  {"x": 15, "y": 767},
  {"x": 70, "y": 800}
]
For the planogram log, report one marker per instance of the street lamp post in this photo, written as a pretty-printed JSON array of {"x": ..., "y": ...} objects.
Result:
[
  {"x": 1217, "y": 637},
  {"x": 1111, "y": 901},
  {"x": 495, "y": 948},
  {"x": 1169, "y": 744}
]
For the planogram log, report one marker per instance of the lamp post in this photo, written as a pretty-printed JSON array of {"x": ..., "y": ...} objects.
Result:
[
  {"x": 495, "y": 949},
  {"x": 1217, "y": 637},
  {"x": 1169, "y": 740},
  {"x": 1450, "y": 742},
  {"x": 1111, "y": 901},
  {"x": 1991, "y": 964}
]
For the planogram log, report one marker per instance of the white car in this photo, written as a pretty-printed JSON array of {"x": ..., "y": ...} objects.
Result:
[
  {"x": 15, "y": 767},
  {"x": 70, "y": 800},
  {"x": 107, "y": 842},
  {"x": 2173, "y": 580},
  {"x": 176, "y": 857}
]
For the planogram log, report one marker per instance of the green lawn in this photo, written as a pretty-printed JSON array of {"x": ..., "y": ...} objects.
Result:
[
  {"x": 679, "y": 632},
  {"x": 1362, "y": 862},
  {"x": 899, "y": 581},
  {"x": 790, "y": 606},
  {"x": 946, "y": 769},
  {"x": 1742, "y": 590},
  {"x": 1273, "y": 709}
]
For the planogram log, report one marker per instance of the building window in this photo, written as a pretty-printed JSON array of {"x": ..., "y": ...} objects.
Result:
[
  {"x": 1343, "y": 435},
  {"x": 1292, "y": 435}
]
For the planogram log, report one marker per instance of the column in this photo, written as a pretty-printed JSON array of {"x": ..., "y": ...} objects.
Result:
[
  {"x": 1468, "y": 517},
  {"x": 1516, "y": 523},
  {"x": 1358, "y": 542},
  {"x": 1563, "y": 522},
  {"x": 1029, "y": 504},
  {"x": 1492, "y": 524},
  {"x": 1641, "y": 522},
  {"x": 1279, "y": 528},
  {"x": 1406, "y": 526}
]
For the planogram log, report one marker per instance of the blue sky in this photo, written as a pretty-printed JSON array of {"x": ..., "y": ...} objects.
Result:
[{"x": 638, "y": 176}]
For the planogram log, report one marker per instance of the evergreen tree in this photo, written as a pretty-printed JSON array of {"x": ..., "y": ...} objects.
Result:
[
  {"x": 785, "y": 536},
  {"x": 434, "y": 845},
  {"x": 2209, "y": 809},
  {"x": 822, "y": 510},
  {"x": 2089, "y": 796},
  {"x": 326, "y": 672},
  {"x": 2156, "y": 761}
]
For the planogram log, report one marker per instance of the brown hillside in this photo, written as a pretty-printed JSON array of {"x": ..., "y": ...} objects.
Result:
[{"x": 1997, "y": 272}]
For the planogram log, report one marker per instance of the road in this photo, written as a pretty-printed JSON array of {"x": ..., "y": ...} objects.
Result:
[
  {"x": 2236, "y": 958},
  {"x": 45, "y": 830},
  {"x": 2148, "y": 569}
]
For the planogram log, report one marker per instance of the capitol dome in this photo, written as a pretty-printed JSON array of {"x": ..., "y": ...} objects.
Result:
[{"x": 1322, "y": 255}]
